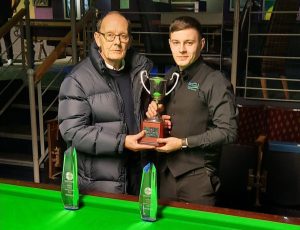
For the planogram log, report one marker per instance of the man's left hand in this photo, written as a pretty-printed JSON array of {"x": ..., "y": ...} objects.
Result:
[
  {"x": 171, "y": 144},
  {"x": 132, "y": 142}
]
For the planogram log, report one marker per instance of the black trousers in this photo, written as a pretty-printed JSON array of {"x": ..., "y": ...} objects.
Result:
[
  {"x": 7, "y": 42},
  {"x": 134, "y": 173},
  {"x": 196, "y": 186}
]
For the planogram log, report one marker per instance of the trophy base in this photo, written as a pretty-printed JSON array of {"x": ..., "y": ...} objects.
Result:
[{"x": 154, "y": 130}]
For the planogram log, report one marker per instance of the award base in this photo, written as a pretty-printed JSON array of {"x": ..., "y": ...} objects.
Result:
[{"x": 154, "y": 129}]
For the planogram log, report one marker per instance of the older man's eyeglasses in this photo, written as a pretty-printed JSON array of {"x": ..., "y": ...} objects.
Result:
[{"x": 111, "y": 37}]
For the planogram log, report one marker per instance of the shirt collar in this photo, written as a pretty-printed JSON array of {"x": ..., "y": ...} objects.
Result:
[
  {"x": 111, "y": 67},
  {"x": 190, "y": 71}
]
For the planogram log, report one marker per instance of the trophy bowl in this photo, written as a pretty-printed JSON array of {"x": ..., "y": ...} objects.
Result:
[{"x": 158, "y": 87}]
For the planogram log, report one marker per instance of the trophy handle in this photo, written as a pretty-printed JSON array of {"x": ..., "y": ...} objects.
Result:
[
  {"x": 177, "y": 78},
  {"x": 144, "y": 72}
]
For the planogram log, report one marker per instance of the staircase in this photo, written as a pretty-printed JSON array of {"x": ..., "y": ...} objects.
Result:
[
  {"x": 12, "y": 125},
  {"x": 16, "y": 159},
  {"x": 23, "y": 139}
]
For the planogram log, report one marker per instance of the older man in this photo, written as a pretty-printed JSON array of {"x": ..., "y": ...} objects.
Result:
[{"x": 100, "y": 110}]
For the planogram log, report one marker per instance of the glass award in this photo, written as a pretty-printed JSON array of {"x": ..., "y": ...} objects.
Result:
[
  {"x": 69, "y": 184},
  {"x": 148, "y": 193}
]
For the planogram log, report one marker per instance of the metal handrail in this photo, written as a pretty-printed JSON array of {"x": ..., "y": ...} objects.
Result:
[
  {"x": 60, "y": 48},
  {"x": 280, "y": 57},
  {"x": 34, "y": 81},
  {"x": 6, "y": 28}
]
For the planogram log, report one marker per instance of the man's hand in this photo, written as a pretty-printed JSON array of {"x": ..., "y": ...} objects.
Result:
[
  {"x": 171, "y": 144},
  {"x": 154, "y": 109},
  {"x": 131, "y": 142},
  {"x": 167, "y": 121}
]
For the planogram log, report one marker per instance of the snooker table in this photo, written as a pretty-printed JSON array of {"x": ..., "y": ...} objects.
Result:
[{"x": 35, "y": 206}]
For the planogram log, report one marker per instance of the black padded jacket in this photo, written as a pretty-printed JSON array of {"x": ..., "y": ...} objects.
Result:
[{"x": 91, "y": 118}]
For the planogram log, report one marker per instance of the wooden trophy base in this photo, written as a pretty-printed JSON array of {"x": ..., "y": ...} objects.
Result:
[{"x": 154, "y": 130}]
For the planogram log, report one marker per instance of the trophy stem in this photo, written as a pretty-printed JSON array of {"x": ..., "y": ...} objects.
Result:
[{"x": 157, "y": 117}]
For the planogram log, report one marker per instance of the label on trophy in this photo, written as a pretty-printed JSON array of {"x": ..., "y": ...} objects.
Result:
[{"x": 153, "y": 130}]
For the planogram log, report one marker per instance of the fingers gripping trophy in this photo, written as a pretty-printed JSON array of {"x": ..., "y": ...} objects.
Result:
[{"x": 154, "y": 126}]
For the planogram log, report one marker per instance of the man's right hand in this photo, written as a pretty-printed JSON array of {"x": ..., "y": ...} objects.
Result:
[
  {"x": 154, "y": 109},
  {"x": 131, "y": 142}
]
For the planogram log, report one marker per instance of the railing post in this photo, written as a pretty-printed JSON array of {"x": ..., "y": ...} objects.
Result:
[
  {"x": 33, "y": 121},
  {"x": 74, "y": 33},
  {"x": 41, "y": 121},
  {"x": 235, "y": 44},
  {"x": 23, "y": 45},
  {"x": 30, "y": 58}
]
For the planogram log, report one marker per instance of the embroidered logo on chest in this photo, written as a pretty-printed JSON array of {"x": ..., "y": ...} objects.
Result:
[{"x": 194, "y": 86}]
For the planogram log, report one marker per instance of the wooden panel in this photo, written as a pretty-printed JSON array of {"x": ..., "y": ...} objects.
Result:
[{"x": 56, "y": 147}]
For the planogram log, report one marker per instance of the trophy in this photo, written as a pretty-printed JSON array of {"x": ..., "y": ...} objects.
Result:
[{"x": 154, "y": 126}]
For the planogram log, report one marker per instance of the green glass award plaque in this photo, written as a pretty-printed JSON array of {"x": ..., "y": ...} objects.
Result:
[
  {"x": 148, "y": 193},
  {"x": 69, "y": 183},
  {"x": 154, "y": 126}
]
